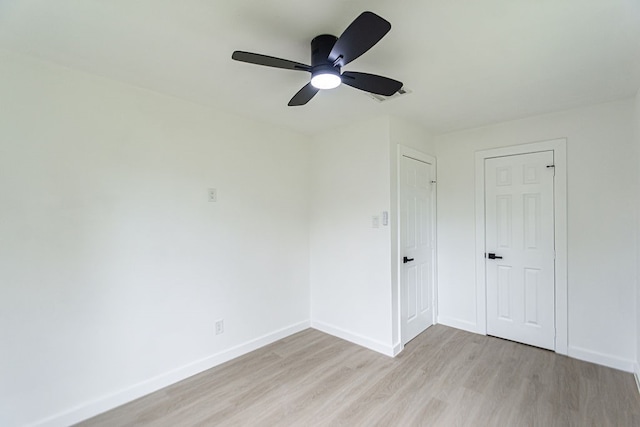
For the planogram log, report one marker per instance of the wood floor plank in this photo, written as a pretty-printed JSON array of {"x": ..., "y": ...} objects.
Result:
[{"x": 444, "y": 377}]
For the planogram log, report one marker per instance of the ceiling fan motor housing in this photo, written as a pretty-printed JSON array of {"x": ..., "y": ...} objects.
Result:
[
  {"x": 321, "y": 48},
  {"x": 324, "y": 75}
]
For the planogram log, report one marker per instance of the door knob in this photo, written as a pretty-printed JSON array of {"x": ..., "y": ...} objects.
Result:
[
  {"x": 493, "y": 256},
  {"x": 406, "y": 260}
]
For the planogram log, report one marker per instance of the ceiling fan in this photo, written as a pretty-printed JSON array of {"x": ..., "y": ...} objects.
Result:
[{"x": 329, "y": 54}]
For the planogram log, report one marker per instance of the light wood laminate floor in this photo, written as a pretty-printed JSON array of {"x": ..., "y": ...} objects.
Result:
[{"x": 444, "y": 377}]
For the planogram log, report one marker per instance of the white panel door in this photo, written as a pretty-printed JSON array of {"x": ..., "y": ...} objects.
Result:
[
  {"x": 520, "y": 235},
  {"x": 417, "y": 247}
]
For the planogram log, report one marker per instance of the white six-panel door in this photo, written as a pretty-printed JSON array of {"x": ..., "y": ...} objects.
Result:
[
  {"x": 519, "y": 221},
  {"x": 417, "y": 247}
]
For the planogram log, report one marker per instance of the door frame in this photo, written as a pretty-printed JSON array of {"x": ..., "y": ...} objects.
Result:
[
  {"x": 559, "y": 148},
  {"x": 404, "y": 151}
]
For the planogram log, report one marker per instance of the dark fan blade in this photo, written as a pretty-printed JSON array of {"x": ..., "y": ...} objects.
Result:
[
  {"x": 269, "y": 61},
  {"x": 363, "y": 33},
  {"x": 304, "y": 95},
  {"x": 371, "y": 83}
]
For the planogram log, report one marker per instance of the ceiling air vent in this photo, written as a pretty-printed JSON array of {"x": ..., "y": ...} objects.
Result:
[{"x": 381, "y": 98}]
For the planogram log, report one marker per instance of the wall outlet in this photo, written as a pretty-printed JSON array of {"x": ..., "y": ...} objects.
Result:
[{"x": 219, "y": 326}]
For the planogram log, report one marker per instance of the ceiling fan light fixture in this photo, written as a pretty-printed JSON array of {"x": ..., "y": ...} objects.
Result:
[
  {"x": 326, "y": 78},
  {"x": 329, "y": 54},
  {"x": 325, "y": 81}
]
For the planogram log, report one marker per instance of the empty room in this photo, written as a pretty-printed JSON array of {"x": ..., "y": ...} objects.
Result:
[{"x": 319, "y": 213}]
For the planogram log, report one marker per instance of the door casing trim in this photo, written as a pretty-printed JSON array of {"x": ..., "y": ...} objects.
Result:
[{"x": 559, "y": 148}]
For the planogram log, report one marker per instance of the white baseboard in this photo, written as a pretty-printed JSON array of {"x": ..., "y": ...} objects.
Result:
[
  {"x": 358, "y": 339},
  {"x": 465, "y": 325},
  {"x": 574, "y": 352},
  {"x": 601, "y": 359},
  {"x": 105, "y": 403},
  {"x": 397, "y": 349}
]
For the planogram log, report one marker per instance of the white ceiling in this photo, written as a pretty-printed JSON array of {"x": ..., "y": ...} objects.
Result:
[{"x": 468, "y": 62}]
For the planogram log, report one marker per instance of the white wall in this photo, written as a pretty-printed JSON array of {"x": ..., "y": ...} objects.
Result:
[
  {"x": 602, "y": 193},
  {"x": 113, "y": 264},
  {"x": 354, "y": 288},
  {"x": 350, "y": 268}
]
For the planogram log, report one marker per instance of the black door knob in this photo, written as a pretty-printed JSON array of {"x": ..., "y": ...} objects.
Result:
[
  {"x": 493, "y": 256},
  {"x": 406, "y": 260}
]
